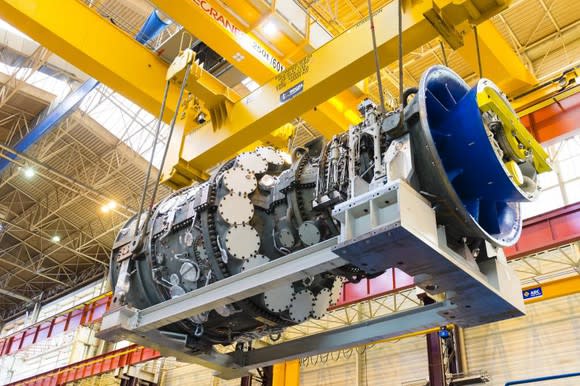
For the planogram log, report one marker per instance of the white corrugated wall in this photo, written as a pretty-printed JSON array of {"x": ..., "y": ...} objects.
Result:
[
  {"x": 398, "y": 362},
  {"x": 341, "y": 372},
  {"x": 190, "y": 374},
  {"x": 389, "y": 363},
  {"x": 546, "y": 341}
]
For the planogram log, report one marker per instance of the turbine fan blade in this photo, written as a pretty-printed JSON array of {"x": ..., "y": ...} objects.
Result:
[
  {"x": 453, "y": 174},
  {"x": 451, "y": 97},
  {"x": 488, "y": 216},
  {"x": 472, "y": 206},
  {"x": 442, "y": 94},
  {"x": 436, "y": 109}
]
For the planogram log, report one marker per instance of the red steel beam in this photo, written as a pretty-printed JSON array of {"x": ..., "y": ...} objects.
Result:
[
  {"x": 91, "y": 367},
  {"x": 68, "y": 320},
  {"x": 392, "y": 280},
  {"x": 555, "y": 120},
  {"x": 546, "y": 231}
]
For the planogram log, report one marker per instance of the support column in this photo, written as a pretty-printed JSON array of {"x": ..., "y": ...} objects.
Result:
[
  {"x": 460, "y": 351},
  {"x": 33, "y": 316},
  {"x": 435, "y": 360},
  {"x": 268, "y": 376},
  {"x": 286, "y": 374},
  {"x": 246, "y": 381},
  {"x": 361, "y": 367},
  {"x": 360, "y": 356}
]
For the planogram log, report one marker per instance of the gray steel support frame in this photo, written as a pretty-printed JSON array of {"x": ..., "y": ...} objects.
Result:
[
  {"x": 238, "y": 364},
  {"x": 392, "y": 222},
  {"x": 288, "y": 269}
]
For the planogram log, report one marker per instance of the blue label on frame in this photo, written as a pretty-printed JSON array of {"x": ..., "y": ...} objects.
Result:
[
  {"x": 532, "y": 293},
  {"x": 292, "y": 92}
]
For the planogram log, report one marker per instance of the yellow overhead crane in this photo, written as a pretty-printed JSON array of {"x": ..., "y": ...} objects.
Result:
[
  {"x": 96, "y": 46},
  {"x": 332, "y": 68},
  {"x": 487, "y": 47},
  {"x": 219, "y": 29},
  {"x": 117, "y": 60},
  {"x": 213, "y": 25},
  {"x": 498, "y": 60},
  {"x": 554, "y": 90}
]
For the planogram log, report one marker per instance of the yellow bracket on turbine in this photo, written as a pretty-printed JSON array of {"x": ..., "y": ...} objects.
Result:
[{"x": 518, "y": 138}]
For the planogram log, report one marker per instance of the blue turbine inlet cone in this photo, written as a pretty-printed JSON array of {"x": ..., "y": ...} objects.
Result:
[
  {"x": 475, "y": 171},
  {"x": 466, "y": 151}
]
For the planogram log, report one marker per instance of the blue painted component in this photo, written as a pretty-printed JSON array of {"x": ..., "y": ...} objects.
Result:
[
  {"x": 542, "y": 379},
  {"x": 444, "y": 333},
  {"x": 151, "y": 28},
  {"x": 470, "y": 162},
  {"x": 60, "y": 112},
  {"x": 468, "y": 140}
]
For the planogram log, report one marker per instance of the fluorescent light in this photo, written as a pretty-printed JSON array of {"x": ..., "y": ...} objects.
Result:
[
  {"x": 55, "y": 239},
  {"x": 250, "y": 84},
  {"x": 29, "y": 172},
  {"x": 108, "y": 206},
  {"x": 270, "y": 29}
]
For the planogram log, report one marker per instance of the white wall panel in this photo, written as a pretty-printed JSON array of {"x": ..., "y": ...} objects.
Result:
[
  {"x": 341, "y": 372},
  {"x": 389, "y": 363},
  {"x": 544, "y": 342},
  {"x": 394, "y": 363},
  {"x": 190, "y": 374}
]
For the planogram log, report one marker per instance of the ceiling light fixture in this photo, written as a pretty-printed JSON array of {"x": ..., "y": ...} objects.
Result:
[
  {"x": 270, "y": 29},
  {"x": 29, "y": 172},
  {"x": 250, "y": 84},
  {"x": 108, "y": 206},
  {"x": 55, "y": 239}
]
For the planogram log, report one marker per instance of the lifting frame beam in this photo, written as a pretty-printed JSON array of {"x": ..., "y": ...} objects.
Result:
[
  {"x": 329, "y": 70},
  {"x": 558, "y": 226}
]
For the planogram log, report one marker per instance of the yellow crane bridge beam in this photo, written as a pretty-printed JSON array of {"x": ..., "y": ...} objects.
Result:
[
  {"x": 213, "y": 25},
  {"x": 332, "y": 68},
  {"x": 96, "y": 46}
]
